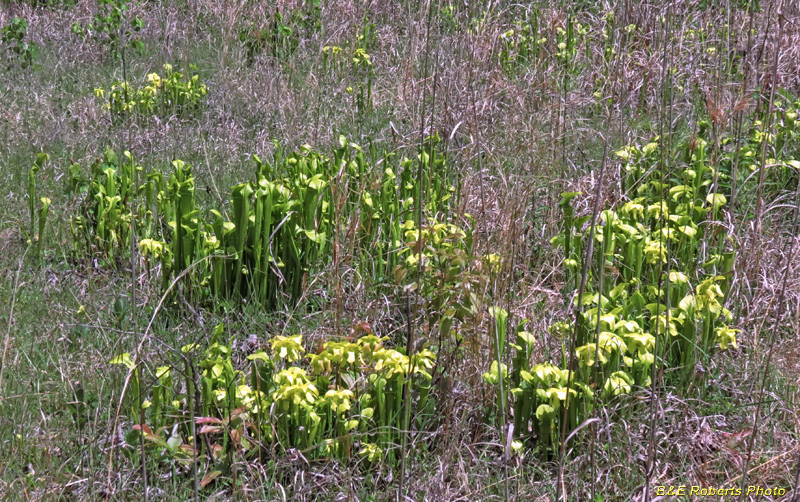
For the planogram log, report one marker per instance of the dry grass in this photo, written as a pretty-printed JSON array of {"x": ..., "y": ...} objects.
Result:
[{"x": 517, "y": 142}]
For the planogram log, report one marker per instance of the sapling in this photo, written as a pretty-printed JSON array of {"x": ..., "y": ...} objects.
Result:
[{"x": 13, "y": 37}]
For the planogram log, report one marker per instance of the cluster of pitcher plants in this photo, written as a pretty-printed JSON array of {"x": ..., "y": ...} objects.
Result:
[
  {"x": 172, "y": 94},
  {"x": 299, "y": 209},
  {"x": 654, "y": 295},
  {"x": 343, "y": 401}
]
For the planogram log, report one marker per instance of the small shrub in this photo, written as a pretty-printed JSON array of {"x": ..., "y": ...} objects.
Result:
[
  {"x": 281, "y": 36},
  {"x": 112, "y": 28},
  {"x": 13, "y": 37}
]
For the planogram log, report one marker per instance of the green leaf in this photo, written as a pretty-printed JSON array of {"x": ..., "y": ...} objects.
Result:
[
  {"x": 717, "y": 200},
  {"x": 41, "y": 158},
  {"x": 259, "y": 356},
  {"x": 174, "y": 442},
  {"x": 566, "y": 197},
  {"x": 526, "y": 337},
  {"x": 545, "y": 413},
  {"x": 316, "y": 237},
  {"x": 124, "y": 359},
  {"x": 500, "y": 317}
]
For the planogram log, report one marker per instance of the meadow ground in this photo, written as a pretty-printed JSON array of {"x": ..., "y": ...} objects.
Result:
[{"x": 479, "y": 116}]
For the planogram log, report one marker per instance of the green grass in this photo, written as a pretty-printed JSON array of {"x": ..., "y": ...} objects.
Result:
[{"x": 512, "y": 157}]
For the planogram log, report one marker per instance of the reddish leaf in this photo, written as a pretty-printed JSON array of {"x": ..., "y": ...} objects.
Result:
[
  {"x": 211, "y": 476},
  {"x": 362, "y": 327},
  {"x": 216, "y": 451},
  {"x": 143, "y": 427},
  {"x": 210, "y": 428},
  {"x": 238, "y": 411},
  {"x": 208, "y": 420}
]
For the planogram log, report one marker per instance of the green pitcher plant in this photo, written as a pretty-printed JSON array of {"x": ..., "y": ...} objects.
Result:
[
  {"x": 283, "y": 223},
  {"x": 661, "y": 283},
  {"x": 348, "y": 395}
]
